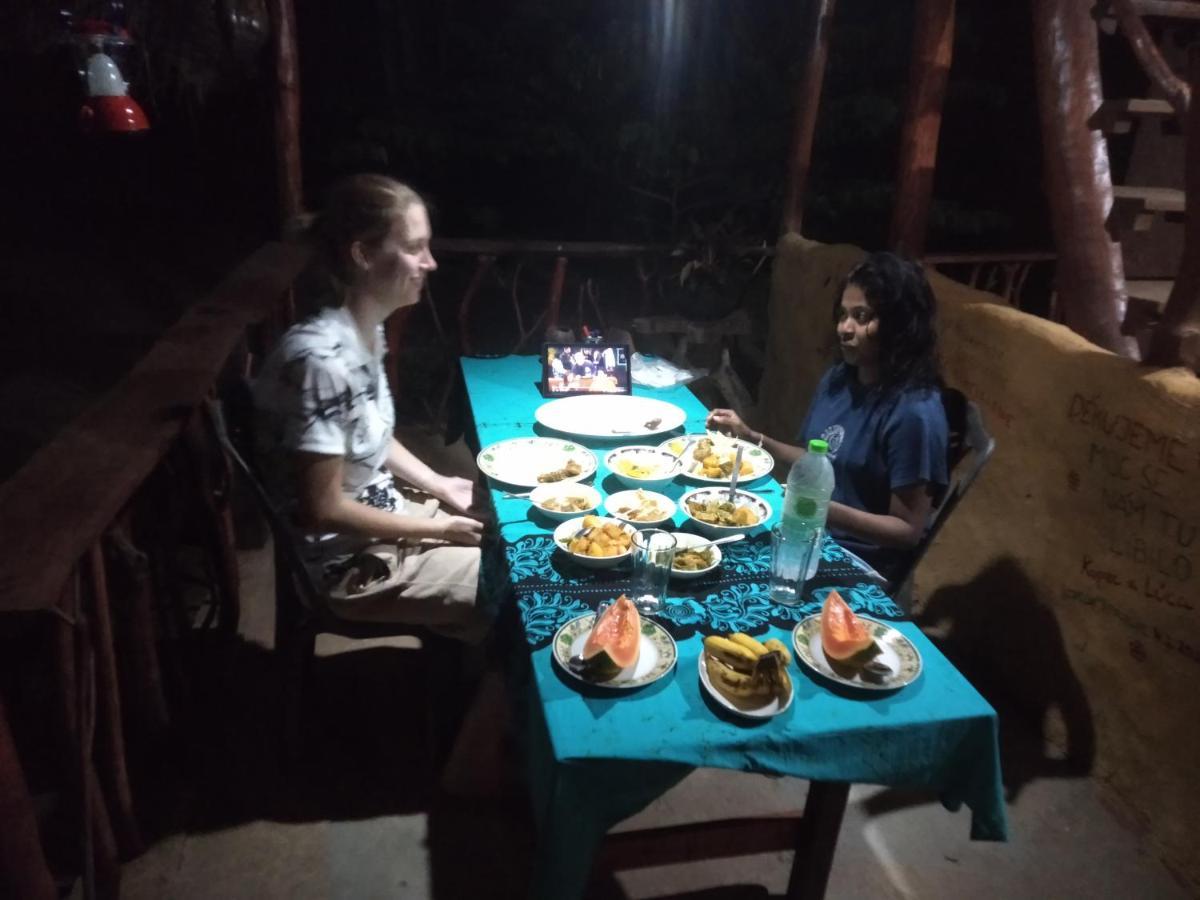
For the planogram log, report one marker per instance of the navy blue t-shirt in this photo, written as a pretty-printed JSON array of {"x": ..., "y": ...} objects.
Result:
[{"x": 878, "y": 444}]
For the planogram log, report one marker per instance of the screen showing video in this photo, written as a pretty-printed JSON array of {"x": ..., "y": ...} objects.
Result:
[{"x": 585, "y": 369}]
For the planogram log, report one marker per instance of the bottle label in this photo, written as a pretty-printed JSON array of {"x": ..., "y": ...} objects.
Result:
[{"x": 805, "y": 507}]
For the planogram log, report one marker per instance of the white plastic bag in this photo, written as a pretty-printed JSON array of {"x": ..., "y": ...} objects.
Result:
[{"x": 656, "y": 372}]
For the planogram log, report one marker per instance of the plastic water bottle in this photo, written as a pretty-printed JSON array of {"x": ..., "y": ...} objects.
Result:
[
  {"x": 805, "y": 506},
  {"x": 809, "y": 487}
]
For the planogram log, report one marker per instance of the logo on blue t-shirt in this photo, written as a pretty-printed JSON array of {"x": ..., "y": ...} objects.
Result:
[{"x": 833, "y": 436}]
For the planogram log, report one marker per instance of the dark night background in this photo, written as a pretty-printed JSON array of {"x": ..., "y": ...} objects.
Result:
[{"x": 632, "y": 121}]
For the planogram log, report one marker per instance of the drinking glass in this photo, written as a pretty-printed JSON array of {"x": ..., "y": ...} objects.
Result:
[
  {"x": 653, "y": 556},
  {"x": 790, "y": 557},
  {"x": 814, "y": 554}
]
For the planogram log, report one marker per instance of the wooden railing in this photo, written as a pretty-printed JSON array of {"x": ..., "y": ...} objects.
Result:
[
  {"x": 1005, "y": 274},
  {"x": 66, "y": 521},
  {"x": 488, "y": 252}
]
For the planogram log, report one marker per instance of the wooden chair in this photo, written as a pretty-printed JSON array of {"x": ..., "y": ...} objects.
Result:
[
  {"x": 969, "y": 448},
  {"x": 301, "y": 612}
]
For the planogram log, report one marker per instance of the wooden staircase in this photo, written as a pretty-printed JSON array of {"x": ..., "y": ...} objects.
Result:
[{"x": 1147, "y": 218}]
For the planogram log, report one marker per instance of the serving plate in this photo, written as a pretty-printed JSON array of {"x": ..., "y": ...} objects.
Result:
[
  {"x": 656, "y": 655},
  {"x": 767, "y": 711},
  {"x": 895, "y": 651},
  {"x": 685, "y": 540},
  {"x": 560, "y": 489},
  {"x": 519, "y": 461},
  {"x": 625, "y": 499},
  {"x": 609, "y": 416},
  {"x": 761, "y": 462},
  {"x": 742, "y": 498},
  {"x": 570, "y": 528}
]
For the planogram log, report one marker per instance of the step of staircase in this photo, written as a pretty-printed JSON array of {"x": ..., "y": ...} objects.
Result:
[
  {"x": 1137, "y": 208},
  {"x": 1156, "y": 291},
  {"x": 1168, "y": 9},
  {"x": 1144, "y": 309},
  {"x": 1117, "y": 116}
]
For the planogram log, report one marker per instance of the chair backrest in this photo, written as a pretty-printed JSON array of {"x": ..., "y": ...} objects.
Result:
[
  {"x": 968, "y": 449},
  {"x": 234, "y": 429}
]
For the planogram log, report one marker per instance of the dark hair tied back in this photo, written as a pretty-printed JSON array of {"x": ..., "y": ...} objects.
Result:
[{"x": 359, "y": 208}]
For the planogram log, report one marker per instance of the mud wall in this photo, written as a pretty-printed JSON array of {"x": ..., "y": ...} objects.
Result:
[{"x": 1066, "y": 585}]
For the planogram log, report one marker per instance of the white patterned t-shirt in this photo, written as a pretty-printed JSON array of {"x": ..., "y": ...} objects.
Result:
[{"x": 322, "y": 391}]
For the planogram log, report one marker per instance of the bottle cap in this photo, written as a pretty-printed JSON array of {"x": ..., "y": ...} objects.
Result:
[{"x": 816, "y": 445}]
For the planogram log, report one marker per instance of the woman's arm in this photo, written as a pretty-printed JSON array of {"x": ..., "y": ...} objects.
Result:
[
  {"x": 902, "y": 526},
  {"x": 459, "y": 493},
  {"x": 324, "y": 507},
  {"x": 785, "y": 453},
  {"x": 728, "y": 420}
]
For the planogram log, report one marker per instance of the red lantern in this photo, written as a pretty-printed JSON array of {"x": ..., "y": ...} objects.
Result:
[{"x": 101, "y": 50}]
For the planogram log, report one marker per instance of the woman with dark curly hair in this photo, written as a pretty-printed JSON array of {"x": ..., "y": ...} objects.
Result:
[{"x": 880, "y": 411}]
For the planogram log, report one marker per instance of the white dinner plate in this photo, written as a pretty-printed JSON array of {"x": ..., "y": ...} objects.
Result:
[
  {"x": 766, "y": 711},
  {"x": 656, "y": 655},
  {"x": 895, "y": 651},
  {"x": 612, "y": 417},
  {"x": 520, "y": 461},
  {"x": 761, "y": 462}
]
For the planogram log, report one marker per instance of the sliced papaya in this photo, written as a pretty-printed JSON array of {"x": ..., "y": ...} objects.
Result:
[
  {"x": 615, "y": 640},
  {"x": 843, "y": 634}
]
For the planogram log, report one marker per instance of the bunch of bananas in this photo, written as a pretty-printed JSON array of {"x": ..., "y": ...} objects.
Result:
[{"x": 748, "y": 673}]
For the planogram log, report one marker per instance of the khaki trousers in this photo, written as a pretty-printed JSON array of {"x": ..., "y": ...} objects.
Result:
[{"x": 431, "y": 583}]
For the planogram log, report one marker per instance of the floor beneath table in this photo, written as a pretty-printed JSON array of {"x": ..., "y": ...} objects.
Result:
[{"x": 362, "y": 819}]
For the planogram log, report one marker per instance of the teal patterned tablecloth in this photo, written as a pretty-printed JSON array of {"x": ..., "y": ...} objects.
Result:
[{"x": 596, "y": 758}]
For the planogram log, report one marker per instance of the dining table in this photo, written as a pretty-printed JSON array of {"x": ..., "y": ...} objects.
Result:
[{"x": 595, "y": 756}]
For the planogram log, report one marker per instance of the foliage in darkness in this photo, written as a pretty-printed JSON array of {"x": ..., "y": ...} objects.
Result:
[{"x": 586, "y": 120}]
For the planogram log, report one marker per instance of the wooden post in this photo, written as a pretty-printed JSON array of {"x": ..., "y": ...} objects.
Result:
[
  {"x": 1076, "y": 173},
  {"x": 1146, "y": 50},
  {"x": 23, "y": 869},
  {"x": 808, "y": 100},
  {"x": 110, "y": 737},
  {"x": 817, "y": 839},
  {"x": 482, "y": 266},
  {"x": 1176, "y": 340},
  {"x": 287, "y": 112},
  {"x": 554, "y": 304},
  {"x": 933, "y": 49}
]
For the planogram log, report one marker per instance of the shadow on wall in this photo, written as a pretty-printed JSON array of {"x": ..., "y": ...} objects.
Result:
[{"x": 1008, "y": 643}]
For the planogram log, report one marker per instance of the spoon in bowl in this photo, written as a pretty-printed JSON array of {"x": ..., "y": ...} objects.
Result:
[
  {"x": 733, "y": 476},
  {"x": 679, "y": 457},
  {"x": 729, "y": 539}
]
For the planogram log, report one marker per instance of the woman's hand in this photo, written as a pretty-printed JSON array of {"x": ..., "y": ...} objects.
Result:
[
  {"x": 461, "y": 530},
  {"x": 458, "y": 493},
  {"x": 728, "y": 420}
]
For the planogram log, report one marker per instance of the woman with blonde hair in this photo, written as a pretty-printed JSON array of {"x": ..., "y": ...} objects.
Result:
[{"x": 325, "y": 424}]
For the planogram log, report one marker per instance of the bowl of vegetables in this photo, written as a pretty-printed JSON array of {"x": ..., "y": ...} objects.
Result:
[
  {"x": 716, "y": 516},
  {"x": 695, "y": 557},
  {"x": 639, "y": 508},
  {"x": 650, "y": 468},
  {"x": 597, "y": 542},
  {"x": 564, "y": 501}
]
